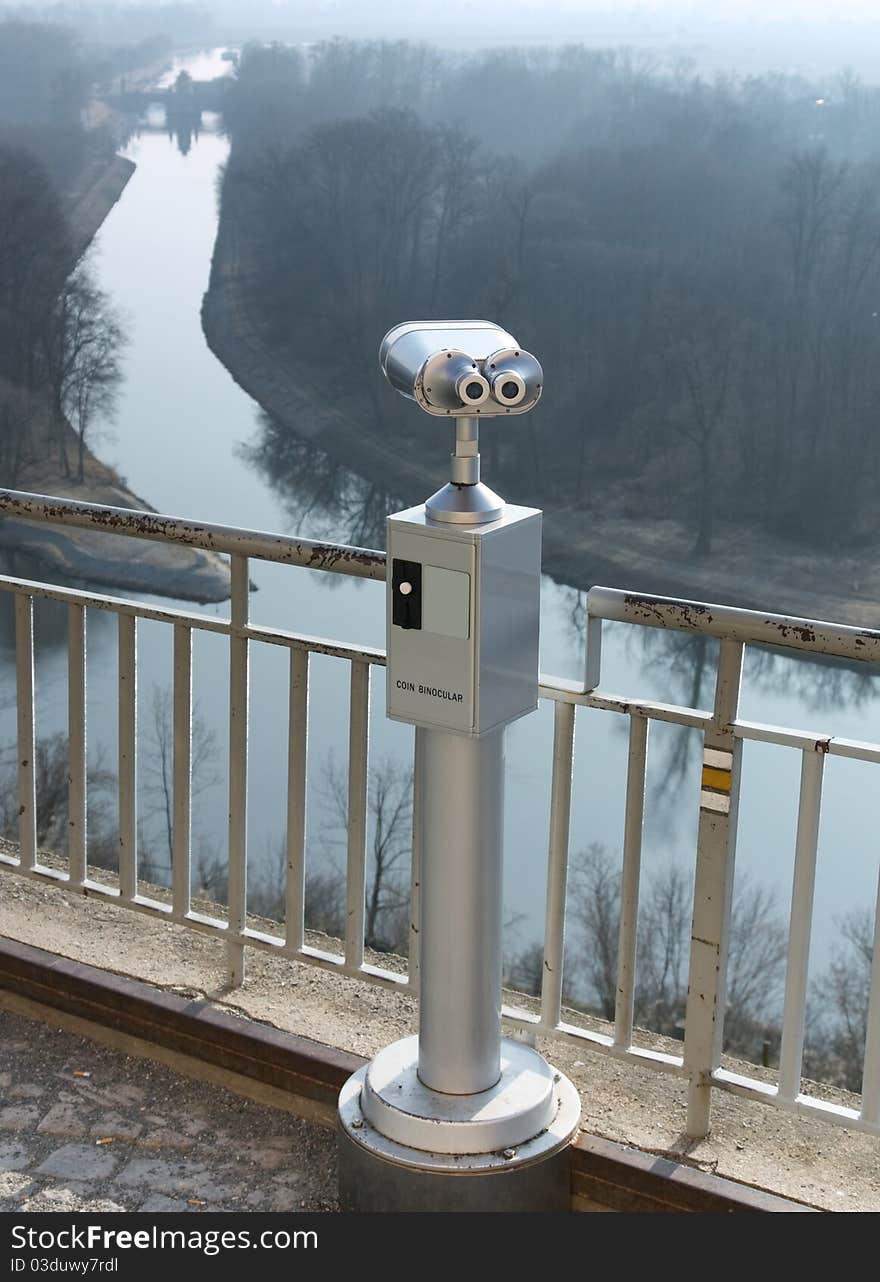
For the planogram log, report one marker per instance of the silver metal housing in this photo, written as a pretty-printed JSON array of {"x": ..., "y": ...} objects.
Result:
[
  {"x": 472, "y": 665},
  {"x": 433, "y": 363}
]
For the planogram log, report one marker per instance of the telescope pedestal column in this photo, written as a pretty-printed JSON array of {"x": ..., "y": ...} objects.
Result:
[{"x": 458, "y": 1118}]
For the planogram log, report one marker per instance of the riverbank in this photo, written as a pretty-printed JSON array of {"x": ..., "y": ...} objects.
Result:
[
  {"x": 85, "y": 557},
  {"x": 94, "y": 559},
  {"x": 580, "y": 548},
  {"x": 99, "y": 187}
]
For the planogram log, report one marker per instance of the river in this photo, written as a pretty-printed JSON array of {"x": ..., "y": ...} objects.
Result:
[{"x": 178, "y": 439}]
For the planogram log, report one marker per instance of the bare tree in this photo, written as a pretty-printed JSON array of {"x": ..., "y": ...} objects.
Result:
[
  {"x": 158, "y": 766},
  {"x": 86, "y": 339},
  {"x": 700, "y": 348},
  {"x": 34, "y": 258},
  {"x": 52, "y": 783},
  {"x": 755, "y": 966},
  {"x": 390, "y": 846},
  {"x": 838, "y": 1021},
  {"x": 756, "y": 953},
  {"x": 20, "y": 410},
  {"x": 524, "y": 970},
  {"x": 595, "y": 915},
  {"x": 663, "y": 945},
  {"x": 324, "y": 897}
]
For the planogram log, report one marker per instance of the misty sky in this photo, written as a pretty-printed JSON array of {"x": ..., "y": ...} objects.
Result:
[
  {"x": 717, "y": 10},
  {"x": 813, "y": 38}
]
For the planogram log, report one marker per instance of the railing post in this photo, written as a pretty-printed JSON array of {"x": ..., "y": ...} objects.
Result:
[
  {"x": 24, "y": 664},
  {"x": 238, "y": 761},
  {"x": 297, "y": 757},
  {"x": 627, "y": 934},
  {"x": 77, "y": 763},
  {"x": 794, "y": 1011},
  {"x": 127, "y": 756},
  {"x": 182, "y": 772},
  {"x": 356, "y": 853},
  {"x": 713, "y": 890},
  {"x": 557, "y": 863}
]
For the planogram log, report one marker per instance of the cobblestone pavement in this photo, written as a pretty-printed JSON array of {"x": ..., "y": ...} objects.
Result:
[{"x": 84, "y": 1128}]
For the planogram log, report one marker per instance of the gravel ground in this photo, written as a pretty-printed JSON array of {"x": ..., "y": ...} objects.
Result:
[{"x": 84, "y": 1128}]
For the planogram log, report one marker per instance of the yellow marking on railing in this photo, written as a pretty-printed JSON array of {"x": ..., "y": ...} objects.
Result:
[{"x": 717, "y": 779}]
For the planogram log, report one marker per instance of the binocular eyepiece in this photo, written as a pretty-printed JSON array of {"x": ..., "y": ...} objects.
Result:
[{"x": 461, "y": 368}]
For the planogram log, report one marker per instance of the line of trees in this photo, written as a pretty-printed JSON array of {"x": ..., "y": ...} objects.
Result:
[
  {"x": 697, "y": 264},
  {"x": 61, "y": 339}
]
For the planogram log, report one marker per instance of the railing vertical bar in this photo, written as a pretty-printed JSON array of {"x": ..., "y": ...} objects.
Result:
[
  {"x": 358, "y": 747},
  {"x": 127, "y": 756},
  {"x": 713, "y": 890},
  {"x": 629, "y": 887},
  {"x": 557, "y": 864},
  {"x": 592, "y": 651},
  {"x": 27, "y": 796},
  {"x": 415, "y": 892},
  {"x": 791, "y": 1052},
  {"x": 297, "y": 758},
  {"x": 238, "y": 764},
  {"x": 182, "y": 793},
  {"x": 77, "y": 759},
  {"x": 871, "y": 1066}
]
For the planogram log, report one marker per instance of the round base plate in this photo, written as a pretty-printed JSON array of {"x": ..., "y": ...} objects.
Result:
[
  {"x": 520, "y": 1105},
  {"x": 450, "y": 1125}
]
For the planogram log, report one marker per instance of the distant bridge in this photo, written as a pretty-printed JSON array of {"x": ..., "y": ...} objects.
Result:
[{"x": 199, "y": 96}]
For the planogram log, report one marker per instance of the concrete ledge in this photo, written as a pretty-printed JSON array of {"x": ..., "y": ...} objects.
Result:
[
  {"x": 611, "y": 1177},
  {"x": 606, "y": 1176},
  {"x": 193, "y": 1028}
]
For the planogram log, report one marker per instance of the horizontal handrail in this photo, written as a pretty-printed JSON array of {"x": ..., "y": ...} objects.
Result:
[
  {"x": 363, "y": 563},
  {"x": 728, "y": 622}
]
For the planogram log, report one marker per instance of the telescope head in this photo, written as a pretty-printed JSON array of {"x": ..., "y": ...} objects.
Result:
[{"x": 461, "y": 369}]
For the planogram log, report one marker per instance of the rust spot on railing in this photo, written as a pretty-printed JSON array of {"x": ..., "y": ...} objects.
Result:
[
  {"x": 330, "y": 556},
  {"x": 802, "y": 631},
  {"x": 690, "y": 614}
]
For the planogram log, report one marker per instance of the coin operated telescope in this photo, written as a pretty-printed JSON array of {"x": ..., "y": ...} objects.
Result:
[{"x": 459, "y": 1117}]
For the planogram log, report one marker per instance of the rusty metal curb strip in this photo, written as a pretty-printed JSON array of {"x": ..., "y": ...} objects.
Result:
[{"x": 603, "y": 1172}]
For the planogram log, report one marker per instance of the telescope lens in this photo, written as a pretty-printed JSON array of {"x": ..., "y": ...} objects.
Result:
[
  {"x": 474, "y": 391},
  {"x": 509, "y": 391}
]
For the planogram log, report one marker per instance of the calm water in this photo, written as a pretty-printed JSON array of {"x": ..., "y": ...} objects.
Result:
[{"x": 177, "y": 440}]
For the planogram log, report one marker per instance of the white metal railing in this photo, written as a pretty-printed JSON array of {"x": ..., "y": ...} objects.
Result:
[{"x": 723, "y": 734}]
